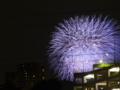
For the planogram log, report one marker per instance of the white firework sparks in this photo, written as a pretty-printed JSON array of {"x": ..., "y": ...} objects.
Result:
[{"x": 80, "y": 42}]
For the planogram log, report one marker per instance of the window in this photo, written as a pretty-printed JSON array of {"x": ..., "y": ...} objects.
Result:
[
  {"x": 25, "y": 72},
  {"x": 42, "y": 70},
  {"x": 25, "y": 75},
  {"x": 78, "y": 80},
  {"x": 42, "y": 78},
  {"x": 33, "y": 75},
  {"x": 23, "y": 65}
]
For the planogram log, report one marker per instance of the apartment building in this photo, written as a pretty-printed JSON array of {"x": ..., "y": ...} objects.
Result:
[{"x": 103, "y": 77}]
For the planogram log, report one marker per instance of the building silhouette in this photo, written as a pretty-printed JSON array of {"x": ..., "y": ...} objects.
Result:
[
  {"x": 11, "y": 77},
  {"x": 27, "y": 75}
]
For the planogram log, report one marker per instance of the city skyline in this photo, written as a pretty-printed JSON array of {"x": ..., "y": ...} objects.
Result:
[{"x": 25, "y": 27}]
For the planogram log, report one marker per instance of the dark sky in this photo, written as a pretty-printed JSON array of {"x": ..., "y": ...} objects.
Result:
[{"x": 25, "y": 27}]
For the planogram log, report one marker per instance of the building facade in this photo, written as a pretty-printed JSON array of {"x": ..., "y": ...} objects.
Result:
[
  {"x": 101, "y": 78},
  {"x": 28, "y": 74}
]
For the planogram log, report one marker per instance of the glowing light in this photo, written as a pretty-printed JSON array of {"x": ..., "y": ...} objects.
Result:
[
  {"x": 94, "y": 44},
  {"x": 116, "y": 89},
  {"x": 116, "y": 69},
  {"x": 82, "y": 39},
  {"x": 106, "y": 54},
  {"x": 101, "y": 61},
  {"x": 86, "y": 61},
  {"x": 43, "y": 70},
  {"x": 33, "y": 75},
  {"x": 42, "y": 78},
  {"x": 90, "y": 76},
  {"x": 25, "y": 75},
  {"x": 101, "y": 87}
]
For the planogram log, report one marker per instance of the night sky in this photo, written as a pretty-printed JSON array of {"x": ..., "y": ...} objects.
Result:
[{"x": 25, "y": 27}]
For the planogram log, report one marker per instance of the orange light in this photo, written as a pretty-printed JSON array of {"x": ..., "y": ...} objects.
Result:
[
  {"x": 42, "y": 78},
  {"x": 33, "y": 75},
  {"x": 42, "y": 70},
  {"x": 25, "y": 75}
]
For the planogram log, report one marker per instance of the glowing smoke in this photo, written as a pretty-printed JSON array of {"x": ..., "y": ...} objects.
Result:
[{"x": 80, "y": 42}]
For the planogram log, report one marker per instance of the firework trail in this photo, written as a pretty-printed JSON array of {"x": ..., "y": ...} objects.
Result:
[{"x": 80, "y": 42}]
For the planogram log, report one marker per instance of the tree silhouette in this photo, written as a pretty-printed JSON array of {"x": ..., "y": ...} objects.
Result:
[
  {"x": 8, "y": 87},
  {"x": 52, "y": 84}
]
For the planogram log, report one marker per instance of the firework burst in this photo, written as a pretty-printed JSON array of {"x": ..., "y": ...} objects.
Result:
[{"x": 80, "y": 42}]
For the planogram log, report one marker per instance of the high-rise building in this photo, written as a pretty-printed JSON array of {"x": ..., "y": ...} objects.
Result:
[{"x": 28, "y": 74}]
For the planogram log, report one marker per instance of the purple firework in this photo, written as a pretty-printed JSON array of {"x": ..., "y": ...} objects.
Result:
[{"x": 80, "y": 42}]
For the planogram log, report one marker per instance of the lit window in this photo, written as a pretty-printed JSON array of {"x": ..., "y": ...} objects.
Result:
[
  {"x": 25, "y": 75},
  {"x": 90, "y": 76},
  {"x": 33, "y": 75},
  {"x": 42, "y": 70},
  {"x": 25, "y": 72},
  {"x": 42, "y": 78},
  {"x": 115, "y": 69},
  {"x": 116, "y": 89},
  {"x": 101, "y": 87},
  {"x": 23, "y": 65}
]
